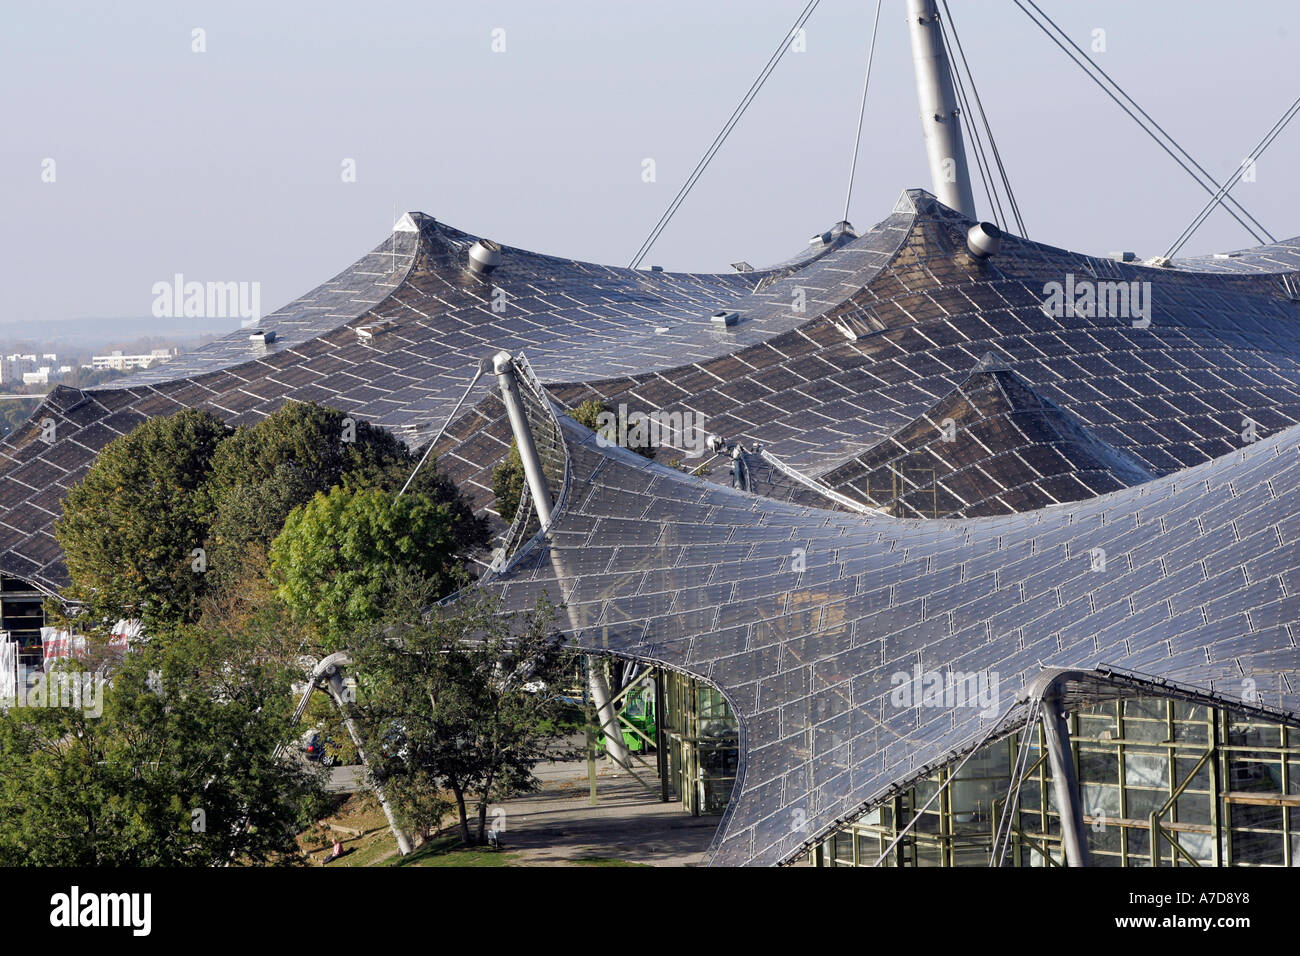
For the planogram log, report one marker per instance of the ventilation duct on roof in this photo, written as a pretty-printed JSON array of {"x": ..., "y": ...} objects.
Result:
[
  {"x": 372, "y": 329},
  {"x": 484, "y": 256},
  {"x": 261, "y": 336},
  {"x": 983, "y": 240}
]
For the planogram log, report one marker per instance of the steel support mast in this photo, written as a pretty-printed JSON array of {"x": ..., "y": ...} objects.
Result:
[{"x": 940, "y": 121}]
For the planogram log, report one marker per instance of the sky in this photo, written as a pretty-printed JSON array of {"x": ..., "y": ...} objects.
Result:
[{"x": 229, "y": 164}]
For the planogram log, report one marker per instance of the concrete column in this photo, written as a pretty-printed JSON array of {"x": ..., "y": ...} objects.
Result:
[
  {"x": 614, "y": 744},
  {"x": 503, "y": 365}
]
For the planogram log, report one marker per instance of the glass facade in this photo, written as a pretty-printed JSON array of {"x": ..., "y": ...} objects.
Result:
[
  {"x": 701, "y": 733},
  {"x": 22, "y": 614},
  {"x": 1163, "y": 783}
]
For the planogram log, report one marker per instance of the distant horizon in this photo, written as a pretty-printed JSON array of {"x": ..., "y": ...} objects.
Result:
[
  {"x": 91, "y": 331},
  {"x": 283, "y": 148}
]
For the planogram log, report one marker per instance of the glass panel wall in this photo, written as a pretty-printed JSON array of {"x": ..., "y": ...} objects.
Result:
[
  {"x": 703, "y": 744},
  {"x": 1163, "y": 783}
]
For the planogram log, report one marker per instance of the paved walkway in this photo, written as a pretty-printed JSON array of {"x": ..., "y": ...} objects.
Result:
[
  {"x": 628, "y": 822},
  {"x": 559, "y": 824}
]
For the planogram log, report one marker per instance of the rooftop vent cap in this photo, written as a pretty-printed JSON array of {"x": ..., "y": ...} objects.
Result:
[
  {"x": 261, "y": 336},
  {"x": 983, "y": 240},
  {"x": 484, "y": 256},
  {"x": 1124, "y": 256},
  {"x": 372, "y": 329},
  {"x": 725, "y": 318}
]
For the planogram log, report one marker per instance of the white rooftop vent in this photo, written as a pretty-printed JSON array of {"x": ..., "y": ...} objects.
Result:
[
  {"x": 371, "y": 329},
  {"x": 261, "y": 336},
  {"x": 725, "y": 318}
]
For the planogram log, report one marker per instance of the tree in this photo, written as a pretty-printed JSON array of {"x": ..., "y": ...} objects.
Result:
[
  {"x": 337, "y": 560},
  {"x": 178, "y": 770},
  {"x": 262, "y": 472},
  {"x": 13, "y": 415},
  {"x": 130, "y": 528},
  {"x": 508, "y": 483},
  {"x": 614, "y": 425},
  {"x": 464, "y": 698}
]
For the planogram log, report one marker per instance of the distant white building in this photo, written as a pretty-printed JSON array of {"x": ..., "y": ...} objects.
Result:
[
  {"x": 122, "y": 363},
  {"x": 14, "y": 367},
  {"x": 40, "y": 377}
]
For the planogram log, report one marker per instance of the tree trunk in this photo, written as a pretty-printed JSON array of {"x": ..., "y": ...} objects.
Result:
[
  {"x": 482, "y": 822},
  {"x": 464, "y": 816}
]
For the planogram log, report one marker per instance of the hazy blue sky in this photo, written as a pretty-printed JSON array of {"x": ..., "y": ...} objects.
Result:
[{"x": 225, "y": 165}]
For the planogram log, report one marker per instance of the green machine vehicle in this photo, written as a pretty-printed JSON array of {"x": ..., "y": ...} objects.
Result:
[{"x": 639, "y": 711}]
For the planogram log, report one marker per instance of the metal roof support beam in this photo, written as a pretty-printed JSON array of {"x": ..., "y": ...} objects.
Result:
[
  {"x": 939, "y": 120},
  {"x": 1065, "y": 782},
  {"x": 504, "y": 366},
  {"x": 329, "y": 676}
]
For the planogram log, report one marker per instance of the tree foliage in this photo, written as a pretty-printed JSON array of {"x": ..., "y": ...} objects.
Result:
[
  {"x": 179, "y": 770},
  {"x": 337, "y": 560},
  {"x": 508, "y": 483},
  {"x": 130, "y": 527},
  {"x": 464, "y": 699},
  {"x": 262, "y": 472}
]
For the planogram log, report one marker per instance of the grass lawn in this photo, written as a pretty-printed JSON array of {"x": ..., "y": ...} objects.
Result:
[{"x": 447, "y": 851}]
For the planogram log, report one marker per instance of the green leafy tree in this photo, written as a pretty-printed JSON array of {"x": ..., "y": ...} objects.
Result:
[
  {"x": 337, "y": 560},
  {"x": 264, "y": 471},
  {"x": 508, "y": 483},
  {"x": 14, "y": 414},
  {"x": 179, "y": 769},
  {"x": 463, "y": 698},
  {"x": 589, "y": 414},
  {"x": 130, "y": 528}
]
